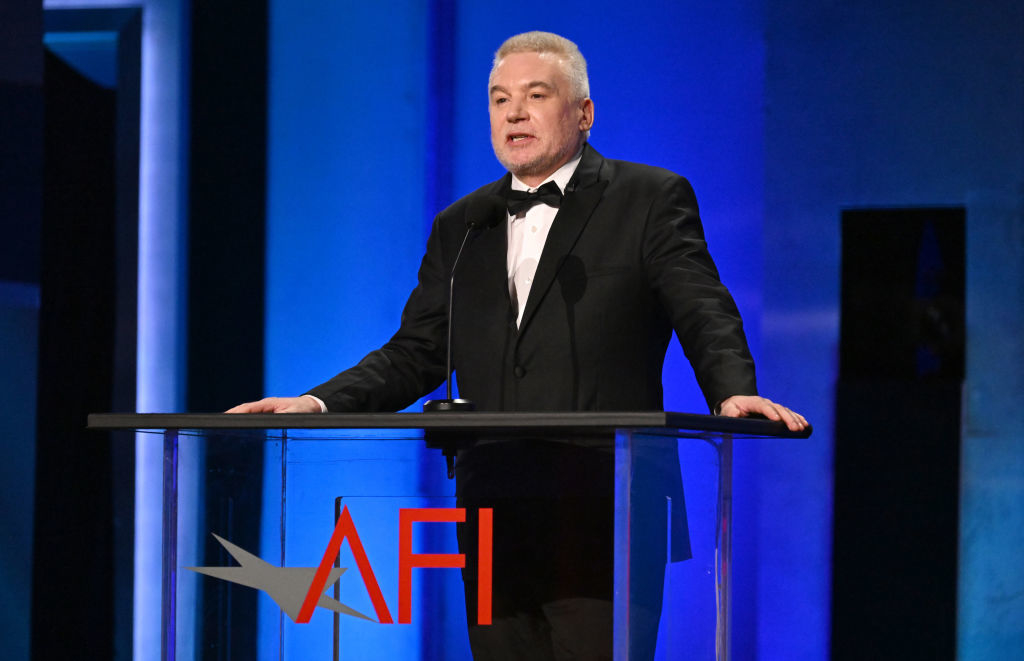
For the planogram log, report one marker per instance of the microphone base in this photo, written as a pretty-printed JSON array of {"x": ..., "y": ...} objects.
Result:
[
  {"x": 445, "y": 406},
  {"x": 441, "y": 405}
]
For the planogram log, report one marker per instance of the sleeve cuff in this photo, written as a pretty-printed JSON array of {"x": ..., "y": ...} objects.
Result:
[{"x": 323, "y": 407}]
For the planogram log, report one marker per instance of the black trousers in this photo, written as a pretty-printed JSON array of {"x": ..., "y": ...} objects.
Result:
[{"x": 553, "y": 555}]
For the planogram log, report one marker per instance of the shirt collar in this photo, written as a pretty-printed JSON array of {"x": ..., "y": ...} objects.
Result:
[{"x": 561, "y": 176}]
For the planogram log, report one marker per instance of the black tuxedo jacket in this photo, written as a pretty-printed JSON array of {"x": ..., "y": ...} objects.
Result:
[{"x": 625, "y": 264}]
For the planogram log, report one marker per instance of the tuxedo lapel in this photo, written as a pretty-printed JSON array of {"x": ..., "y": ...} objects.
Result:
[{"x": 582, "y": 195}]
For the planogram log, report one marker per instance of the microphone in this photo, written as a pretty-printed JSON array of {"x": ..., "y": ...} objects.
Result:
[{"x": 481, "y": 213}]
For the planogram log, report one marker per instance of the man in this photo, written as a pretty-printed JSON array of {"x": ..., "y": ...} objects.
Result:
[{"x": 568, "y": 303}]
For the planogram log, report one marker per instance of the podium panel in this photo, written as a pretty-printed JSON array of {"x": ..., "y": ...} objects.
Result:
[{"x": 351, "y": 542}]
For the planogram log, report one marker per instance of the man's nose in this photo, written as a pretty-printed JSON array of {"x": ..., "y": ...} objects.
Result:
[{"x": 516, "y": 111}]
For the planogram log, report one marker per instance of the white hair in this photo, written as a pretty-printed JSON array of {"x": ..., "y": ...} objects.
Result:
[{"x": 573, "y": 64}]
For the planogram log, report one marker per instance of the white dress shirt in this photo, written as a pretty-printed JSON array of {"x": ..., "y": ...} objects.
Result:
[{"x": 527, "y": 234}]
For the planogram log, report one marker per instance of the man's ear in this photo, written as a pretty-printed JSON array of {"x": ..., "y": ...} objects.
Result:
[{"x": 586, "y": 114}]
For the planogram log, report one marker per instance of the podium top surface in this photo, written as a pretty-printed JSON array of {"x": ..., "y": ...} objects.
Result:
[{"x": 585, "y": 422}]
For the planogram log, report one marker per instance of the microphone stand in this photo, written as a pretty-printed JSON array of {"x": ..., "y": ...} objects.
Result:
[
  {"x": 449, "y": 404},
  {"x": 482, "y": 212}
]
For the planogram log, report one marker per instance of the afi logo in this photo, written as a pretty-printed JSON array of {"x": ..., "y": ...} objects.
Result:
[{"x": 299, "y": 590}]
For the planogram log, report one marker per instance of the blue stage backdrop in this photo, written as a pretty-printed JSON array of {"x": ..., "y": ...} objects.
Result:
[
  {"x": 378, "y": 121},
  {"x": 894, "y": 105},
  {"x": 780, "y": 114},
  {"x": 347, "y": 180}
]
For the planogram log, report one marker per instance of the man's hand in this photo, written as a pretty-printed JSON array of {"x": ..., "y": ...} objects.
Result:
[
  {"x": 279, "y": 405},
  {"x": 743, "y": 406}
]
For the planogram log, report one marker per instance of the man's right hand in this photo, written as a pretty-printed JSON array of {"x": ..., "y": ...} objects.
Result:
[{"x": 279, "y": 405}]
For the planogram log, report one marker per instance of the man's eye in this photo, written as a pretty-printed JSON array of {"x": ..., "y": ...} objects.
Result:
[
  {"x": 537, "y": 95},
  {"x": 500, "y": 100}
]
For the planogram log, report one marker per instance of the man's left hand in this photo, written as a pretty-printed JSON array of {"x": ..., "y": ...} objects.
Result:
[{"x": 743, "y": 406}]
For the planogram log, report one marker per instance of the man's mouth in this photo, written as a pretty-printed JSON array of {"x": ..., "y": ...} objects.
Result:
[{"x": 518, "y": 137}]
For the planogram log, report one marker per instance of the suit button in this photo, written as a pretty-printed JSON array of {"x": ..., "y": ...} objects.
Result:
[{"x": 519, "y": 371}]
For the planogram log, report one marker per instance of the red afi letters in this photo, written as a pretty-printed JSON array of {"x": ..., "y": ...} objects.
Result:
[{"x": 406, "y": 561}]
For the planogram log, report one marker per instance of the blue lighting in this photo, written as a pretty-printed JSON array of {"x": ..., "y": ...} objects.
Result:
[
  {"x": 346, "y": 226},
  {"x": 161, "y": 316},
  {"x": 377, "y": 119}
]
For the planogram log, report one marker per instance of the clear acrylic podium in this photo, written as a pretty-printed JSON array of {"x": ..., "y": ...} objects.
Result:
[{"x": 360, "y": 506}]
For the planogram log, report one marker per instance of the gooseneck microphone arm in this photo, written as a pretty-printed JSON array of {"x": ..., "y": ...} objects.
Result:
[
  {"x": 451, "y": 302},
  {"x": 481, "y": 213}
]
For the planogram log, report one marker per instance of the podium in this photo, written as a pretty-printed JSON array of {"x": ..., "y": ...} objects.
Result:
[{"x": 350, "y": 528}]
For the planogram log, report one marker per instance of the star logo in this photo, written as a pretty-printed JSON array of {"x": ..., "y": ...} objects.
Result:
[
  {"x": 299, "y": 591},
  {"x": 288, "y": 586}
]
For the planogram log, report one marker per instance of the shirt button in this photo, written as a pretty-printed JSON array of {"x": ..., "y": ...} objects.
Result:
[
  {"x": 519, "y": 371},
  {"x": 533, "y": 229}
]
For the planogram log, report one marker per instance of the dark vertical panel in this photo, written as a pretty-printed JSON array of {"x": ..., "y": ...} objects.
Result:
[
  {"x": 126, "y": 247},
  {"x": 21, "y": 154},
  {"x": 226, "y": 283},
  {"x": 21, "y": 104},
  {"x": 226, "y": 203},
  {"x": 74, "y": 514},
  {"x": 20, "y": 171},
  {"x": 898, "y": 434},
  {"x": 126, "y": 206},
  {"x": 902, "y": 295},
  {"x": 85, "y": 486}
]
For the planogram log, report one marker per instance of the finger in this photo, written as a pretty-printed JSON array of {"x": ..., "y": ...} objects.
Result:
[
  {"x": 771, "y": 410},
  {"x": 262, "y": 406},
  {"x": 783, "y": 415},
  {"x": 793, "y": 420},
  {"x": 730, "y": 410},
  {"x": 789, "y": 418}
]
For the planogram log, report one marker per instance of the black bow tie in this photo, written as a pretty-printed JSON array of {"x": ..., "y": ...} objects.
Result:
[{"x": 519, "y": 201}]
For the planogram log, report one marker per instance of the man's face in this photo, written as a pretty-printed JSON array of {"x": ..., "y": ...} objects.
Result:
[{"x": 536, "y": 127}]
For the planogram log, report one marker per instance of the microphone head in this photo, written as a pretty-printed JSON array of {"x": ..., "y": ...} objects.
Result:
[{"x": 486, "y": 211}]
